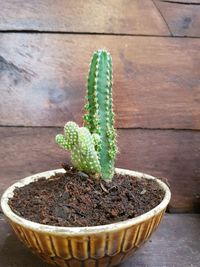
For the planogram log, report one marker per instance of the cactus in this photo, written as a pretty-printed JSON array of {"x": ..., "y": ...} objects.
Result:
[
  {"x": 100, "y": 117},
  {"x": 93, "y": 147},
  {"x": 82, "y": 145}
]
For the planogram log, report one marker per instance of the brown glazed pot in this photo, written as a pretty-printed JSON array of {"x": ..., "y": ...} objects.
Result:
[{"x": 106, "y": 245}]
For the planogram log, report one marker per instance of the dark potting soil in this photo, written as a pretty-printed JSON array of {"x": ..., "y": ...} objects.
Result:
[{"x": 74, "y": 199}]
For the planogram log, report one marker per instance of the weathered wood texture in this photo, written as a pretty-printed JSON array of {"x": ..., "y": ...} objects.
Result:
[
  {"x": 172, "y": 155},
  {"x": 182, "y": 17},
  {"x": 174, "y": 244},
  {"x": 118, "y": 16},
  {"x": 42, "y": 79}
]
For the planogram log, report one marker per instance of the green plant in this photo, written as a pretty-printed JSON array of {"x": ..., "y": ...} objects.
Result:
[{"x": 93, "y": 147}]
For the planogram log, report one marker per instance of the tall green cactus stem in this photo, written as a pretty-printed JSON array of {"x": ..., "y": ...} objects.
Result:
[
  {"x": 82, "y": 144},
  {"x": 100, "y": 117}
]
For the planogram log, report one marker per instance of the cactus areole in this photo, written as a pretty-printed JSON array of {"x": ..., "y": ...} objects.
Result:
[{"x": 93, "y": 147}]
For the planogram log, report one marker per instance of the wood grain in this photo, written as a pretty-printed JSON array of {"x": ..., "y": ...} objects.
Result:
[
  {"x": 118, "y": 16},
  {"x": 156, "y": 80},
  {"x": 171, "y": 155},
  {"x": 182, "y": 17},
  {"x": 161, "y": 250}
]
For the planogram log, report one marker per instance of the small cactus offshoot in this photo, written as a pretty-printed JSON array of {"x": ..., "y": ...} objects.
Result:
[
  {"x": 81, "y": 143},
  {"x": 93, "y": 147}
]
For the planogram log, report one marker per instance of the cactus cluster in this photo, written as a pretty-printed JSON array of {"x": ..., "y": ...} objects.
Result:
[
  {"x": 81, "y": 143},
  {"x": 93, "y": 147}
]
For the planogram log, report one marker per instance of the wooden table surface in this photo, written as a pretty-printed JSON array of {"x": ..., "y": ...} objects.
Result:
[{"x": 45, "y": 48}]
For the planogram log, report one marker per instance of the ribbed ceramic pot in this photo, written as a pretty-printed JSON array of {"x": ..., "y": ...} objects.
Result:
[{"x": 94, "y": 246}]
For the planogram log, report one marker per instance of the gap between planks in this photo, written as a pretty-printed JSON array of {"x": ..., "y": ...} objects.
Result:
[
  {"x": 117, "y": 128},
  {"x": 22, "y": 31}
]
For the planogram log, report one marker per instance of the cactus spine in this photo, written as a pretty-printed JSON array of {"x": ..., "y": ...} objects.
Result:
[
  {"x": 93, "y": 147},
  {"x": 100, "y": 117}
]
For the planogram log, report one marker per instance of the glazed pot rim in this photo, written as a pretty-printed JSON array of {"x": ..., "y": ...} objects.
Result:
[{"x": 77, "y": 231}]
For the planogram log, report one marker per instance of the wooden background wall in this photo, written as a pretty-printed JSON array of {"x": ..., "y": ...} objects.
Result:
[{"x": 45, "y": 48}]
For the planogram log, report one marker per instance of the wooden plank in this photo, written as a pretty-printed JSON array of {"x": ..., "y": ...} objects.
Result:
[
  {"x": 172, "y": 155},
  {"x": 174, "y": 244},
  {"x": 118, "y": 16},
  {"x": 42, "y": 81},
  {"x": 182, "y": 17}
]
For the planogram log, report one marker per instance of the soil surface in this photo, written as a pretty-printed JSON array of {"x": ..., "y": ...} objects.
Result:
[{"x": 75, "y": 199}]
